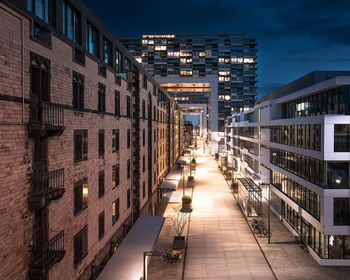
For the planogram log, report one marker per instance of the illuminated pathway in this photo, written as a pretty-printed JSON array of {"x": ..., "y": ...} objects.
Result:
[{"x": 220, "y": 243}]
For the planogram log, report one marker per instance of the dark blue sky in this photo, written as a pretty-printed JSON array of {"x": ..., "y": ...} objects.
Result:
[{"x": 294, "y": 37}]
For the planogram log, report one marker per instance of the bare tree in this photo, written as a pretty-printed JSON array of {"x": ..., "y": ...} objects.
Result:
[{"x": 179, "y": 220}]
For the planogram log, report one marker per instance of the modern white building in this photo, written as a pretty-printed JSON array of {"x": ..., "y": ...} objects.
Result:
[{"x": 297, "y": 139}]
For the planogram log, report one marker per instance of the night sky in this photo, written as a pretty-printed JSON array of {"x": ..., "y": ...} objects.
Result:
[{"x": 294, "y": 37}]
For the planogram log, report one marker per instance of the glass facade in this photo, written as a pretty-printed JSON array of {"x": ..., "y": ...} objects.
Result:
[
  {"x": 307, "y": 136},
  {"x": 307, "y": 199},
  {"x": 333, "y": 101},
  {"x": 342, "y": 138},
  {"x": 308, "y": 168},
  {"x": 310, "y": 235}
]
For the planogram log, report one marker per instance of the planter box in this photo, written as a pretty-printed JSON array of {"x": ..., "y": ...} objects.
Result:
[
  {"x": 186, "y": 208},
  {"x": 179, "y": 242}
]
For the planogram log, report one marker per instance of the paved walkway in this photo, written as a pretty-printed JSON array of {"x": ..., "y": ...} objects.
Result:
[{"x": 220, "y": 243}]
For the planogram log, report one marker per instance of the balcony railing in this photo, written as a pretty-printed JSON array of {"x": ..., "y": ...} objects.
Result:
[
  {"x": 45, "y": 116},
  {"x": 46, "y": 252},
  {"x": 47, "y": 183}
]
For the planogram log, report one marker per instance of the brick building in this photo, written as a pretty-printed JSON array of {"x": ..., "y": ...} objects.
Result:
[{"x": 86, "y": 135}]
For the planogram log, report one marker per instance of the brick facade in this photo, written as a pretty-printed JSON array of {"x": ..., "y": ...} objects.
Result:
[{"x": 17, "y": 151}]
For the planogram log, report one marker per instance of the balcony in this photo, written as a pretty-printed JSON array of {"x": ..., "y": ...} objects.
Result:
[
  {"x": 46, "y": 119},
  {"x": 46, "y": 186},
  {"x": 45, "y": 252}
]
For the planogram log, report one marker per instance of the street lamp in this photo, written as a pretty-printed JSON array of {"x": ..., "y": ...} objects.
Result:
[{"x": 148, "y": 254}]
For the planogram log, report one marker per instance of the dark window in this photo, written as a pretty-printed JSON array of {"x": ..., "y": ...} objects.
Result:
[
  {"x": 78, "y": 91},
  {"x": 143, "y": 109},
  {"x": 118, "y": 61},
  {"x": 341, "y": 211},
  {"x": 101, "y": 143},
  {"x": 115, "y": 140},
  {"x": 117, "y": 103},
  {"x": 128, "y": 139},
  {"x": 115, "y": 211},
  {"x": 101, "y": 225},
  {"x": 39, "y": 78},
  {"x": 80, "y": 196},
  {"x": 115, "y": 176},
  {"x": 71, "y": 23},
  {"x": 101, "y": 184},
  {"x": 128, "y": 112},
  {"x": 128, "y": 169},
  {"x": 143, "y": 189},
  {"x": 80, "y": 245},
  {"x": 40, "y": 8},
  {"x": 107, "y": 52},
  {"x": 80, "y": 145},
  {"x": 342, "y": 138},
  {"x": 144, "y": 82},
  {"x": 143, "y": 164},
  {"x": 128, "y": 199},
  {"x": 92, "y": 39},
  {"x": 143, "y": 137},
  {"x": 127, "y": 65},
  {"x": 101, "y": 98}
]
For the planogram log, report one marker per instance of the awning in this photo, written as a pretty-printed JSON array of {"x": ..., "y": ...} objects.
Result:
[
  {"x": 127, "y": 261},
  {"x": 182, "y": 160},
  {"x": 174, "y": 175},
  {"x": 169, "y": 184}
]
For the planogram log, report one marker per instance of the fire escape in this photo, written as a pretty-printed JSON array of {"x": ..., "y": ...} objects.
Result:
[{"x": 46, "y": 119}]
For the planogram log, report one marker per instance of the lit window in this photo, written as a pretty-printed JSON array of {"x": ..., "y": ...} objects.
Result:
[
  {"x": 92, "y": 39},
  {"x": 144, "y": 41}
]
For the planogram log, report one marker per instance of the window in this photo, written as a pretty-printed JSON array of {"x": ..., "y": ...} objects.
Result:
[
  {"x": 80, "y": 145},
  {"x": 80, "y": 195},
  {"x": 78, "y": 91},
  {"x": 115, "y": 140},
  {"x": 143, "y": 109},
  {"x": 71, "y": 23},
  {"x": 101, "y": 183},
  {"x": 144, "y": 82},
  {"x": 107, "y": 52},
  {"x": 341, "y": 211},
  {"x": 101, "y": 143},
  {"x": 41, "y": 8},
  {"x": 115, "y": 211},
  {"x": 127, "y": 65},
  {"x": 143, "y": 164},
  {"x": 128, "y": 199},
  {"x": 101, "y": 225},
  {"x": 80, "y": 245},
  {"x": 115, "y": 176},
  {"x": 143, "y": 137},
  {"x": 92, "y": 39},
  {"x": 338, "y": 175},
  {"x": 128, "y": 112},
  {"x": 128, "y": 169},
  {"x": 118, "y": 61},
  {"x": 101, "y": 98},
  {"x": 117, "y": 103},
  {"x": 39, "y": 77},
  {"x": 341, "y": 138},
  {"x": 128, "y": 139},
  {"x": 143, "y": 190}
]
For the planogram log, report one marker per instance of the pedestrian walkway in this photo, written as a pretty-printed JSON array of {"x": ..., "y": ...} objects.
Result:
[{"x": 220, "y": 244}]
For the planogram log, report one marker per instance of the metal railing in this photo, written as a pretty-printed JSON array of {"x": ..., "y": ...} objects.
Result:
[
  {"x": 45, "y": 182},
  {"x": 45, "y": 251},
  {"x": 46, "y": 113}
]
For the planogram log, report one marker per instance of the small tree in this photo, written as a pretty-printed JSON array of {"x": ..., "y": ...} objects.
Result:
[{"x": 179, "y": 221}]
